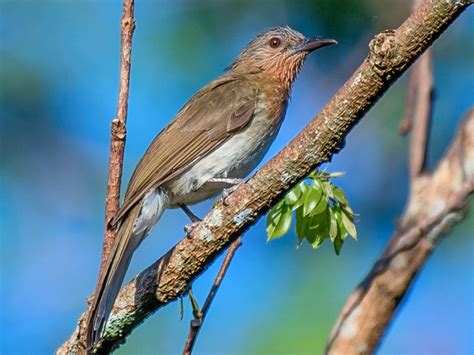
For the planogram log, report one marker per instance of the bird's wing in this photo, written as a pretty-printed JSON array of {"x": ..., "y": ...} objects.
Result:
[{"x": 206, "y": 121}]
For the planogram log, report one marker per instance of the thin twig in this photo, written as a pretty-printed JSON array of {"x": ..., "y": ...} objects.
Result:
[
  {"x": 196, "y": 323},
  {"x": 406, "y": 122},
  {"x": 421, "y": 115},
  {"x": 118, "y": 131},
  {"x": 418, "y": 110},
  {"x": 117, "y": 146}
]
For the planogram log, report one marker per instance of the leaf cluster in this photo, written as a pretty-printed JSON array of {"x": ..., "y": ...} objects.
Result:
[{"x": 321, "y": 211}]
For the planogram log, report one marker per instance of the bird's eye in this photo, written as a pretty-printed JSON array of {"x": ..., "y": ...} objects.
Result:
[{"x": 275, "y": 42}]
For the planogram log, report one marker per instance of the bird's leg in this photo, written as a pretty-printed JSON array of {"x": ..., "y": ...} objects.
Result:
[
  {"x": 188, "y": 228},
  {"x": 234, "y": 182}
]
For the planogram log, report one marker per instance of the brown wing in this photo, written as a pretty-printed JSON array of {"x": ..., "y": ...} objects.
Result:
[{"x": 205, "y": 122}]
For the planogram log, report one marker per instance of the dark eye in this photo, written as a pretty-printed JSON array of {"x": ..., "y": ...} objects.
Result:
[{"x": 275, "y": 42}]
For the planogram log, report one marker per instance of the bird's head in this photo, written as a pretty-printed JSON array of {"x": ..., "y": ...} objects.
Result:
[{"x": 278, "y": 52}]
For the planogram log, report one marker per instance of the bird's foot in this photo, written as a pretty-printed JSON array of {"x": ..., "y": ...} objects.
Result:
[
  {"x": 235, "y": 183},
  {"x": 188, "y": 228}
]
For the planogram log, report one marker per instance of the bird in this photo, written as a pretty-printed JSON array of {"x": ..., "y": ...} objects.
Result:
[{"x": 217, "y": 138}]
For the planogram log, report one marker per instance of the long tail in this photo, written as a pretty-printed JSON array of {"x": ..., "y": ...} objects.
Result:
[
  {"x": 134, "y": 228},
  {"x": 116, "y": 268}
]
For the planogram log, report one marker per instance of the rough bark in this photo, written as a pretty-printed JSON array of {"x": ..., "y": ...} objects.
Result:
[{"x": 390, "y": 54}]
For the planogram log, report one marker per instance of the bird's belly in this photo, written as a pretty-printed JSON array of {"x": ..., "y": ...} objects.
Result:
[{"x": 236, "y": 158}]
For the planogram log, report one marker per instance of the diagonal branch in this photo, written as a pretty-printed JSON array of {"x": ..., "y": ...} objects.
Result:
[
  {"x": 436, "y": 203},
  {"x": 196, "y": 324},
  {"x": 390, "y": 54}
]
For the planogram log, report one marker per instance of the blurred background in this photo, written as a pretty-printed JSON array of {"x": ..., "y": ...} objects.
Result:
[{"x": 58, "y": 91}]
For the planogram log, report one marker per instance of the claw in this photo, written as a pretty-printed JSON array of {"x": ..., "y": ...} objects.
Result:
[
  {"x": 188, "y": 228},
  {"x": 226, "y": 192}
]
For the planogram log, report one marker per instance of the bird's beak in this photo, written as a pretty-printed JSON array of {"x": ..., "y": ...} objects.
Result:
[{"x": 313, "y": 43}]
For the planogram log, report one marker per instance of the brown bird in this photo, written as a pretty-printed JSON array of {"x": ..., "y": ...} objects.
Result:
[{"x": 215, "y": 140}]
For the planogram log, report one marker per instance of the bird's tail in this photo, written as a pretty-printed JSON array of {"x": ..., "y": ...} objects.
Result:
[
  {"x": 126, "y": 242},
  {"x": 132, "y": 230}
]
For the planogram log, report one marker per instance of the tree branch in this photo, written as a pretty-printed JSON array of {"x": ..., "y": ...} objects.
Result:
[
  {"x": 196, "y": 323},
  {"x": 436, "y": 203},
  {"x": 390, "y": 54},
  {"x": 423, "y": 83},
  {"x": 418, "y": 109}
]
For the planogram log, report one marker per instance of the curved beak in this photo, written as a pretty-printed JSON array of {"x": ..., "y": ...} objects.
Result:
[{"x": 313, "y": 43}]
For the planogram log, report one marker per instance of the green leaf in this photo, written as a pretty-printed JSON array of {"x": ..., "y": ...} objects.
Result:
[
  {"x": 278, "y": 224},
  {"x": 333, "y": 225},
  {"x": 302, "y": 224},
  {"x": 274, "y": 212},
  {"x": 321, "y": 206},
  {"x": 340, "y": 196},
  {"x": 312, "y": 229},
  {"x": 302, "y": 188},
  {"x": 338, "y": 242},
  {"x": 319, "y": 230},
  {"x": 341, "y": 229},
  {"x": 194, "y": 304},
  {"x": 349, "y": 225},
  {"x": 313, "y": 196},
  {"x": 328, "y": 188},
  {"x": 293, "y": 195},
  {"x": 317, "y": 243},
  {"x": 348, "y": 210}
]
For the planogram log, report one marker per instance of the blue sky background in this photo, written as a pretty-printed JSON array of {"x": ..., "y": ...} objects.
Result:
[{"x": 58, "y": 92}]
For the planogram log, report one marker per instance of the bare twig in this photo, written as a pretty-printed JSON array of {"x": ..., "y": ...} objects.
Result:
[
  {"x": 422, "y": 114},
  {"x": 418, "y": 109},
  {"x": 118, "y": 131},
  {"x": 391, "y": 53},
  {"x": 196, "y": 323},
  {"x": 406, "y": 122},
  {"x": 117, "y": 146},
  {"x": 370, "y": 307}
]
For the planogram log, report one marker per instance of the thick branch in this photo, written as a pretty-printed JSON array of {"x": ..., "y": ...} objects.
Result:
[
  {"x": 390, "y": 54},
  {"x": 436, "y": 203}
]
